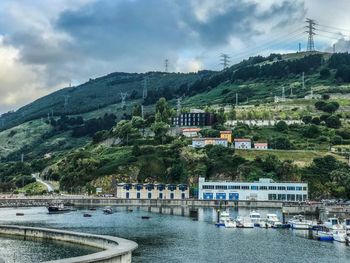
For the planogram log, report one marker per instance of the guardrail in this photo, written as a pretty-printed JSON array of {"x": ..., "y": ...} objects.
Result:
[{"x": 115, "y": 249}]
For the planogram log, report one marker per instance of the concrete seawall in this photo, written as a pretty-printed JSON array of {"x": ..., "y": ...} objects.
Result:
[{"x": 115, "y": 250}]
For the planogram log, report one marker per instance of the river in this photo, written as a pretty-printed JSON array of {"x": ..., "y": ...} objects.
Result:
[{"x": 169, "y": 238}]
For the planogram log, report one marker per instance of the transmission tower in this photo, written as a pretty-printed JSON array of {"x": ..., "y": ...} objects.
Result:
[
  {"x": 66, "y": 98},
  {"x": 236, "y": 99},
  {"x": 303, "y": 80},
  {"x": 283, "y": 94},
  {"x": 311, "y": 32},
  {"x": 123, "y": 97},
  {"x": 166, "y": 65},
  {"x": 224, "y": 60},
  {"x": 142, "y": 113},
  {"x": 178, "y": 106},
  {"x": 145, "y": 87}
]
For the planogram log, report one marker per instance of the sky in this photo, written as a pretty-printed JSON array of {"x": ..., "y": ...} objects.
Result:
[{"x": 47, "y": 44}]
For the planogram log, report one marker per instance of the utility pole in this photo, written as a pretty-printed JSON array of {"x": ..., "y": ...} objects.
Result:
[
  {"x": 311, "y": 32},
  {"x": 299, "y": 48},
  {"x": 224, "y": 60},
  {"x": 303, "y": 80},
  {"x": 66, "y": 97},
  {"x": 142, "y": 113},
  {"x": 291, "y": 90},
  {"x": 283, "y": 94},
  {"x": 236, "y": 99},
  {"x": 123, "y": 96},
  {"x": 166, "y": 65},
  {"x": 145, "y": 87},
  {"x": 178, "y": 106}
]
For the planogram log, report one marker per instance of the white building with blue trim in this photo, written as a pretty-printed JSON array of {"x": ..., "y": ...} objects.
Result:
[{"x": 263, "y": 190}]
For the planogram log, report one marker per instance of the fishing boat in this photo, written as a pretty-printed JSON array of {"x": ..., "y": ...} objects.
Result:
[
  {"x": 323, "y": 235},
  {"x": 145, "y": 217},
  {"x": 299, "y": 222},
  {"x": 19, "y": 214},
  {"x": 244, "y": 222},
  {"x": 333, "y": 224},
  {"x": 255, "y": 218},
  {"x": 339, "y": 235},
  {"x": 346, "y": 225},
  {"x": 226, "y": 221},
  {"x": 58, "y": 208},
  {"x": 273, "y": 221}
]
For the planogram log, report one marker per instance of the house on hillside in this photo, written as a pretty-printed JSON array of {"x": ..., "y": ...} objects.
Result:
[
  {"x": 202, "y": 142},
  {"x": 261, "y": 146},
  {"x": 243, "y": 143},
  {"x": 190, "y": 132},
  {"x": 226, "y": 135},
  {"x": 194, "y": 119}
]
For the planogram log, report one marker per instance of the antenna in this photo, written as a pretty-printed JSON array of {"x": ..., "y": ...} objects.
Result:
[
  {"x": 166, "y": 64},
  {"x": 311, "y": 32},
  {"x": 224, "y": 60},
  {"x": 123, "y": 96},
  {"x": 145, "y": 87}
]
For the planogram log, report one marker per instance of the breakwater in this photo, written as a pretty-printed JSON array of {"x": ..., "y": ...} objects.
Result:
[{"x": 115, "y": 250}]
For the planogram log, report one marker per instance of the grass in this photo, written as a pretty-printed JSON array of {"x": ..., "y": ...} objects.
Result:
[{"x": 33, "y": 188}]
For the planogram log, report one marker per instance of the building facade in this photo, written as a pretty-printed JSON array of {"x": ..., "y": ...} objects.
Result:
[
  {"x": 152, "y": 191},
  {"x": 263, "y": 190},
  {"x": 190, "y": 132},
  {"x": 202, "y": 142},
  {"x": 226, "y": 135},
  {"x": 261, "y": 146},
  {"x": 194, "y": 119},
  {"x": 243, "y": 143}
]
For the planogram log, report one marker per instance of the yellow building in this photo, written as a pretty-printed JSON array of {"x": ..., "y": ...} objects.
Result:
[{"x": 226, "y": 135}]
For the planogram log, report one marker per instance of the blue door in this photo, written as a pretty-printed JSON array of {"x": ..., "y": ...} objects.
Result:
[
  {"x": 138, "y": 195},
  {"x": 171, "y": 195},
  {"x": 220, "y": 196},
  {"x": 207, "y": 196},
  {"x": 149, "y": 195},
  {"x": 127, "y": 195},
  {"x": 233, "y": 196},
  {"x": 160, "y": 195}
]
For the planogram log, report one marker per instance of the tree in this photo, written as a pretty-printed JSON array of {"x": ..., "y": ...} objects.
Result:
[
  {"x": 163, "y": 112},
  {"x": 331, "y": 107},
  {"x": 311, "y": 131},
  {"x": 160, "y": 130},
  {"x": 306, "y": 119},
  {"x": 333, "y": 122},
  {"x": 320, "y": 105},
  {"x": 325, "y": 96},
  {"x": 232, "y": 113},
  {"x": 281, "y": 143},
  {"x": 137, "y": 122},
  {"x": 316, "y": 121},
  {"x": 220, "y": 116},
  {"x": 125, "y": 131},
  {"x": 281, "y": 126},
  {"x": 136, "y": 110},
  {"x": 325, "y": 73}
]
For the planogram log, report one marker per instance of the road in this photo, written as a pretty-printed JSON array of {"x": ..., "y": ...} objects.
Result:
[{"x": 48, "y": 186}]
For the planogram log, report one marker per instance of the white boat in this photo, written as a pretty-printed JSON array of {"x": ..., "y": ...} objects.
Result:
[
  {"x": 224, "y": 215},
  {"x": 244, "y": 222},
  {"x": 272, "y": 221},
  {"x": 346, "y": 224},
  {"x": 255, "y": 218},
  {"x": 230, "y": 223},
  {"x": 333, "y": 224},
  {"x": 299, "y": 222},
  {"x": 339, "y": 235}
]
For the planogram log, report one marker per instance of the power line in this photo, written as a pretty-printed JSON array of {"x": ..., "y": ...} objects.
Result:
[
  {"x": 311, "y": 32},
  {"x": 332, "y": 27}
]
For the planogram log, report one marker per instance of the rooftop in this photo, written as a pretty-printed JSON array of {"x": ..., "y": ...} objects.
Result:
[
  {"x": 204, "y": 139},
  {"x": 225, "y": 132},
  {"x": 191, "y": 130},
  {"x": 242, "y": 140}
]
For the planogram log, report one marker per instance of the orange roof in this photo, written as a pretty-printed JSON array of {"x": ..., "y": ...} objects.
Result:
[
  {"x": 191, "y": 130},
  {"x": 260, "y": 144},
  {"x": 242, "y": 140},
  {"x": 225, "y": 132}
]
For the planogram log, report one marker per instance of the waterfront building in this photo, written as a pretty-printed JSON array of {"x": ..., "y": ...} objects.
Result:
[
  {"x": 152, "y": 191},
  {"x": 194, "y": 119},
  {"x": 190, "y": 132},
  {"x": 260, "y": 146},
  {"x": 226, "y": 135},
  {"x": 263, "y": 190},
  {"x": 202, "y": 142},
  {"x": 242, "y": 143}
]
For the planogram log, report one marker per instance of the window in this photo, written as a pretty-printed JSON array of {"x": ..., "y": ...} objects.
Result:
[
  {"x": 149, "y": 195},
  {"x": 208, "y": 187},
  {"x": 290, "y": 188},
  {"x": 281, "y": 197},
  {"x": 299, "y": 197},
  {"x": 221, "y": 187},
  {"x": 183, "y": 195},
  {"x": 281, "y": 188},
  {"x": 263, "y": 187},
  {"x": 236, "y": 187},
  {"x": 298, "y": 188},
  {"x": 245, "y": 187},
  {"x": 138, "y": 196},
  {"x": 138, "y": 187},
  {"x": 272, "y": 187},
  {"x": 171, "y": 195},
  {"x": 272, "y": 197},
  {"x": 290, "y": 197},
  {"x": 304, "y": 197},
  {"x": 127, "y": 195},
  {"x": 254, "y": 187},
  {"x": 182, "y": 187},
  {"x": 160, "y": 195},
  {"x": 304, "y": 188}
]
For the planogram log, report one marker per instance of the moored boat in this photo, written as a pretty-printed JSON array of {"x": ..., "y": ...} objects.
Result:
[
  {"x": 272, "y": 221},
  {"x": 108, "y": 210},
  {"x": 299, "y": 222},
  {"x": 339, "y": 235},
  {"x": 244, "y": 222},
  {"x": 58, "y": 208},
  {"x": 255, "y": 218},
  {"x": 87, "y": 215},
  {"x": 333, "y": 224}
]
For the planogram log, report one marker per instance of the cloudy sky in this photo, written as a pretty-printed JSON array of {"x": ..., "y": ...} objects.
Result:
[{"x": 46, "y": 44}]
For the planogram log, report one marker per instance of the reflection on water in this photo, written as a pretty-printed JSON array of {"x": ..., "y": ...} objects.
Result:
[{"x": 170, "y": 238}]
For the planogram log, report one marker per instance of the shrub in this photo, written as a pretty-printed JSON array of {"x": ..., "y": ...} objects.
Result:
[
  {"x": 333, "y": 122},
  {"x": 281, "y": 126}
]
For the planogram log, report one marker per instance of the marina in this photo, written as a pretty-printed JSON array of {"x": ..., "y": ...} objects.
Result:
[{"x": 185, "y": 239}]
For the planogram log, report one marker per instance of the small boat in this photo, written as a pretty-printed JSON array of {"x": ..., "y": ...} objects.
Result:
[
  {"x": 145, "y": 217},
  {"x": 273, "y": 221},
  {"x": 87, "y": 215},
  {"x": 299, "y": 222},
  {"x": 244, "y": 222},
  {"x": 324, "y": 236},
  {"x": 339, "y": 235},
  {"x": 346, "y": 225},
  {"x": 92, "y": 209},
  {"x": 130, "y": 210},
  {"x": 255, "y": 218},
  {"x": 108, "y": 211},
  {"x": 229, "y": 223},
  {"x": 19, "y": 214},
  {"x": 58, "y": 208},
  {"x": 333, "y": 224}
]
